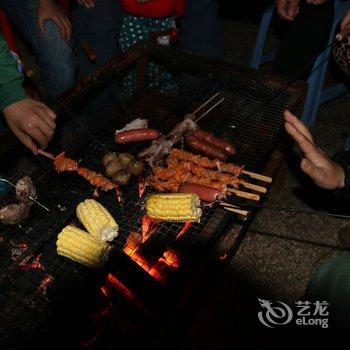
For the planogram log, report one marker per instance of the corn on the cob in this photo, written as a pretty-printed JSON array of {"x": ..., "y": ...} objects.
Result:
[
  {"x": 80, "y": 246},
  {"x": 97, "y": 220},
  {"x": 180, "y": 207}
]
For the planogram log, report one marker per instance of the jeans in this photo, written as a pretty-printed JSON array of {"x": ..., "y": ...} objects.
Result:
[
  {"x": 100, "y": 27},
  {"x": 54, "y": 55},
  {"x": 200, "y": 30}
]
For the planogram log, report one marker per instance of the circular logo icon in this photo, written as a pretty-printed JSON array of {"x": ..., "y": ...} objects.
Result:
[{"x": 274, "y": 313}]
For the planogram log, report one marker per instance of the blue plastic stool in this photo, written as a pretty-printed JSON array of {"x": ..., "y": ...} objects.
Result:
[{"x": 316, "y": 94}]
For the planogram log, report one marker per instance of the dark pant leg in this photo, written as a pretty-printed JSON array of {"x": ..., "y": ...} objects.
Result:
[
  {"x": 200, "y": 30},
  {"x": 54, "y": 55},
  {"x": 306, "y": 38},
  {"x": 100, "y": 27},
  {"x": 331, "y": 283}
]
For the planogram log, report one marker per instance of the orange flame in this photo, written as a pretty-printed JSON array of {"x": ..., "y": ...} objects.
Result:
[
  {"x": 149, "y": 227},
  {"x": 185, "y": 228},
  {"x": 170, "y": 258},
  {"x": 133, "y": 242}
]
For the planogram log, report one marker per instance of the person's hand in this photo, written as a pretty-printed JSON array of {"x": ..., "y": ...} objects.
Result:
[
  {"x": 49, "y": 10},
  {"x": 344, "y": 27},
  {"x": 316, "y": 2},
  {"x": 87, "y": 3},
  {"x": 287, "y": 9},
  {"x": 32, "y": 122},
  {"x": 323, "y": 171}
]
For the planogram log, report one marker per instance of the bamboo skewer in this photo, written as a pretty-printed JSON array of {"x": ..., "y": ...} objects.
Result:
[
  {"x": 253, "y": 187},
  {"x": 209, "y": 110},
  {"x": 243, "y": 194},
  {"x": 234, "y": 208},
  {"x": 237, "y": 211},
  {"x": 205, "y": 103},
  {"x": 257, "y": 176},
  {"x": 46, "y": 154}
]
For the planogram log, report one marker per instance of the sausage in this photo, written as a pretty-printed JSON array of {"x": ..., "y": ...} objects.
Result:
[
  {"x": 136, "y": 135},
  {"x": 205, "y": 148},
  {"x": 205, "y": 193},
  {"x": 215, "y": 141}
]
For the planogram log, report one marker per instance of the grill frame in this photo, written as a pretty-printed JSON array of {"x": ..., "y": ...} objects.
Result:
[{"x": 73, "y": 100}]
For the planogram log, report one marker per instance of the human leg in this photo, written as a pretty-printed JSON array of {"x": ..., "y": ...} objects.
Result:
[
  {"x": 99, "y": 27},
  {"x": 54, "y": 55},
  {"x": 199, "y": 28},
  {"x": 307, "y": 37},
  {"x": 331, "y": 283}
]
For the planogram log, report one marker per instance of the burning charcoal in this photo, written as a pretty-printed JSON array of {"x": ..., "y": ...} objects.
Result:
[{"x": 25, "y": 189}]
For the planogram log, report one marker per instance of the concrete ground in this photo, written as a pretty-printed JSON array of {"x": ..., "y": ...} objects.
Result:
[{"x": 281, "y": 249}]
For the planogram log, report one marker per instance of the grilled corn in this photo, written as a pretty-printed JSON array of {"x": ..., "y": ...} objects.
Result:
[
  {"x": 80, "y": 246},
  {"x": 97, "y": 220},
  {"x": 178, "y": 207}
]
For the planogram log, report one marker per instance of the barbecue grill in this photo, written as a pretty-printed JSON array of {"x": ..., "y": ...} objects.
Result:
[{"x": 41, "y": 291}]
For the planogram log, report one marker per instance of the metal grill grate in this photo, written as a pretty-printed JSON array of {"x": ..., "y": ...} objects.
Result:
[{"x": 257, "y": 127}]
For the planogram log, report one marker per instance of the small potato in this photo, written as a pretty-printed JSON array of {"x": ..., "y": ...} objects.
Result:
[
  {"x": 107, "y": 158},
  {"x": 122, "y": 177},
  {"x": 113, "y": 167},
  {"x": 126, "y": 159},
  {"x": 137, "y": 167}
]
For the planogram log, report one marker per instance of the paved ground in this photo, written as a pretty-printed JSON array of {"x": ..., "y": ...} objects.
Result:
[{"x": 281, "y": 250}]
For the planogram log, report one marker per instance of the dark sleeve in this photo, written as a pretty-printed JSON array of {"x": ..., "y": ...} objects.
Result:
[{"x": 343, "y": 158}]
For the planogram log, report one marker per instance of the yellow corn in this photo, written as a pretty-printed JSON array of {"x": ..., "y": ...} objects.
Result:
[
  {"x": 180, "y": 207},
  {"x": 97, "y": 220},
  {"x": 80, "y": 246}
]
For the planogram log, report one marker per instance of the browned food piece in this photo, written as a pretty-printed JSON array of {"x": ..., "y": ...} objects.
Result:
[
  {"x": 125, "y": 159},
  {"x": 136, "y": 135},
  {"x": 202, "y": 147},
  {"x": 205, "y": 193},
  {"x": 215, "y": 141},
  {"x": 205, "y": 162},
  {"x": 25, "y": 190},
  {"x": 96, "y": 179},
  {"x": 62, "y": 163},
  {"x": 113, "y": 167},
  {"x": 107, "y": 158},
  {"x": 136, "y": 167},
  {"x": 122, "y": 177},
  {"x": 14, "y": 213}
]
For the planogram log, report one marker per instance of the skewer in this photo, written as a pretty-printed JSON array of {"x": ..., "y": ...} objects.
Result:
[
  {"x": 243, "y": 194},
  {"x": 30, "y": 197},
  {"x": 253, "y": 187},
  {"x": 237, "y": 211},
  {"x": 209, "y": 110},
  {"x": 234, "y": 209},
  {"x": 257, "y": 176},
  {"x": 205, "y": 103},
  {"x": 46, "y": 154}
]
